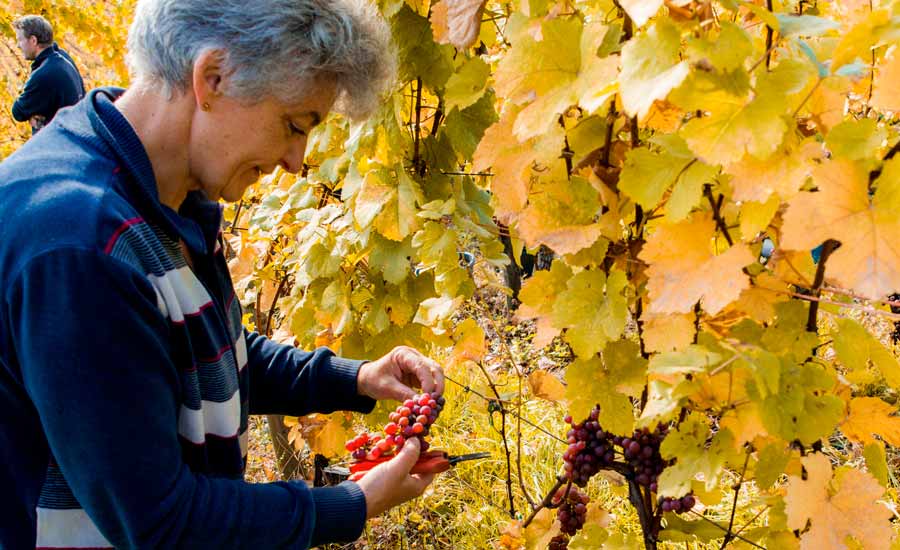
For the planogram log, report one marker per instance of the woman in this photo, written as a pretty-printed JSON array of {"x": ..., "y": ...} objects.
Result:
[{"x": 126, "y": 377}]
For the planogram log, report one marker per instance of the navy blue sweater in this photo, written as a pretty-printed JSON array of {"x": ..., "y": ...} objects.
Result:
[
  {"x": 54, "y": 83},
  {"x": 126, "y": 377}
]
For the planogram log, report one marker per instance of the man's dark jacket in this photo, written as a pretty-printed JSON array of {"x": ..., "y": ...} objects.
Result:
[{"x": 54, "y": 83}]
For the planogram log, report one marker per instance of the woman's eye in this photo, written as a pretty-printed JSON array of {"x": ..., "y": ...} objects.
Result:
[{"x": 295, "y": 129}]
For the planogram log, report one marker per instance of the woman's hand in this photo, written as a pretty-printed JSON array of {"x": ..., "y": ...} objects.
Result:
[
  {"x": 390, "y": 483},
  {"x": 394, "y": 375}
]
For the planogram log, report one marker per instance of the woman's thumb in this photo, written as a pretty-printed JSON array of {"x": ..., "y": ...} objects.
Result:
[{"x": 408, "y": 455}]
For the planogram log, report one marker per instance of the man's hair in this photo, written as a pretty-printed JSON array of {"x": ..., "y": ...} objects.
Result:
[
  {"x": 36, "y": 26},
  {"x": 273, "y": 48}
]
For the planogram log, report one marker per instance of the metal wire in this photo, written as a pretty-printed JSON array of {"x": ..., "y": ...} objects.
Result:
[{"x": 505, "y": 410}]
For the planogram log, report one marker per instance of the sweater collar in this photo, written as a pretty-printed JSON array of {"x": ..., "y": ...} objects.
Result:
[
  {"x": 198, "y": 220},
  {"x": 43, "y": 56}
]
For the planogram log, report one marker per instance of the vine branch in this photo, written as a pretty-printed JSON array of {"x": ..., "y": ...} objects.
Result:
[
  {"x": 827, "y": 248},
  {"x": 729, "y": 535},
  {"x": 717, "y": 213},
  {"x": 545, "y": 502},
  {"x": 509, "y": 493}
]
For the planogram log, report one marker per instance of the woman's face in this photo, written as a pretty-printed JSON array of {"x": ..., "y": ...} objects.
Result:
[{"x": 234, "y": 143}]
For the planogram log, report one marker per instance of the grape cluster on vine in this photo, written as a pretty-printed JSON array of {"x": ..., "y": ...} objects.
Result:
[
  {"x": 559, "y": 542},
  {"x": 591, "y": 449},
  {"x": 641, "y": 452},
  {"x": 572, "y": 511},
  {"x": 413, "y": 418}
]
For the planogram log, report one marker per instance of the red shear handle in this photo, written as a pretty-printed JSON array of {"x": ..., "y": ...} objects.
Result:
[{"x": 432, "y": 462}]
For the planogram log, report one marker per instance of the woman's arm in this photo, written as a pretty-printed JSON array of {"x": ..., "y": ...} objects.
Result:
[{"x": 94, "y": 353}]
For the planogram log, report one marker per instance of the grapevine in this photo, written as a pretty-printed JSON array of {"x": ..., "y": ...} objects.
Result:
[{"x": 716, "y": 183}]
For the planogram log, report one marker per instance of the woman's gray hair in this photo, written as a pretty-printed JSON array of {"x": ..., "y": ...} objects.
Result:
[{"x": 273, "y": 47}]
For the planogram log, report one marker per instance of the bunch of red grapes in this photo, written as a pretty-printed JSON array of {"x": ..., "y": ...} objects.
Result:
[
  {"x": 572, "y": 510},
  {"x": 641, "y": 452},
  {"x": 413, "y": 418},
  {"x": 591, "y": 449},
  {"x": 678, "y": 505}
]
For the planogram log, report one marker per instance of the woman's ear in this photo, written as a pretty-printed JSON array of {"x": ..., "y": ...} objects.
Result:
[{"x": 208, "y": 77}]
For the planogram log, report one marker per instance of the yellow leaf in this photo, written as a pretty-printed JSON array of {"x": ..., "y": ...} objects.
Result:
[
  {"x": 759, "y": 300},
  {"x": 869, "y": 259},
  {"x": 546, "y": 386},
  {"x": 684, "y": 270},
  {"x": 663, "y": 116},
  {"x": 871, "y": 415},
  {"x": 651, "y": 67},
  {"x": 469, "y": 342},
  {"x": 541, "y": 529},
  {"x": 826, "y": 104},
  {"x": 885, "y": 94},
  {"x": 463, "y": 21},
  {"x": 561, "y": 216},
  {"x": 667, "y": 332},
  {"x": 439, "y": 25},
  {"x": 850, "y": 510},
  {"x": 782, "y": 173},
  {"x": 326, "y": 434}
]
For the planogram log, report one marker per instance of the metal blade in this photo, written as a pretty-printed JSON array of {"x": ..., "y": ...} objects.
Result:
[{"x": 471, "y": 456}]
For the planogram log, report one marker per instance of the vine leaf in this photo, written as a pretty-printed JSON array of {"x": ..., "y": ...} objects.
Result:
[
  {"x": 684, "y": 270},
  {"x": 869, "y": 258},
  {"x": 871, "y": 415},
  {"x": 541, "y": 529},
  {"x": 592, "y": 309},
  {"x": 468, "y": 342},
  {"x": 651, "y": 67},
  {"x": 546, "y": 386},
  {"x": 557, "y": 71},
  {"x": 687, "y": 446},
  {"x": 667, "y": 332},
  {"x": 588, "y": 384},
  {"x": 641, "y": 11},
  {"x": 783, "y": 173},
  {"x": 887, "y": 80},
  {"x": 463, "y": 21},
  {"x": 855, "y": 348},
  {"x": 837, "y": 507},
  {"x": 538, "y": 295},
  {"x": 561, "y": 215}
]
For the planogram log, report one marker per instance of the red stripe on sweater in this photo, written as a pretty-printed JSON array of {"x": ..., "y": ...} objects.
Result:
[{"x": 118, "y": 232}]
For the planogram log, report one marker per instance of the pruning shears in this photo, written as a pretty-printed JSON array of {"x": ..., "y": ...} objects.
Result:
[{"x": 432, "y": 462}]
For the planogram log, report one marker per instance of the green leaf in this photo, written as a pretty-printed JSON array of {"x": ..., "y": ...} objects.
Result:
[
  {"x": 467, "y": 84},
  {"x": 588, "y": 384},
  {"x": 466, "y": 127},
  {"x": 730, "y": 50},
  {"x": 855, "y": 347},
  {"x": 855, "y": 139},
  {"x": 592, "y": 309},
  {"x": 693, "y": 359},
  {"x": 773, "y": 459},
  {"x": 876, "y": 462},
  {"x": 419, "y": 56},
  {"x": 625, "y": 366},
  {"x": 392, "y": 258},
  {"x": 687, "y": 446},
  {"x": 647, "y": 175},
  {"x": 688, "y": 190},
  {"x": 804, "y": 408}
]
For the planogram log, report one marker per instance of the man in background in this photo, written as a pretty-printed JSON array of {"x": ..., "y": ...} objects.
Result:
[{"x": 55, "y": 81}]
